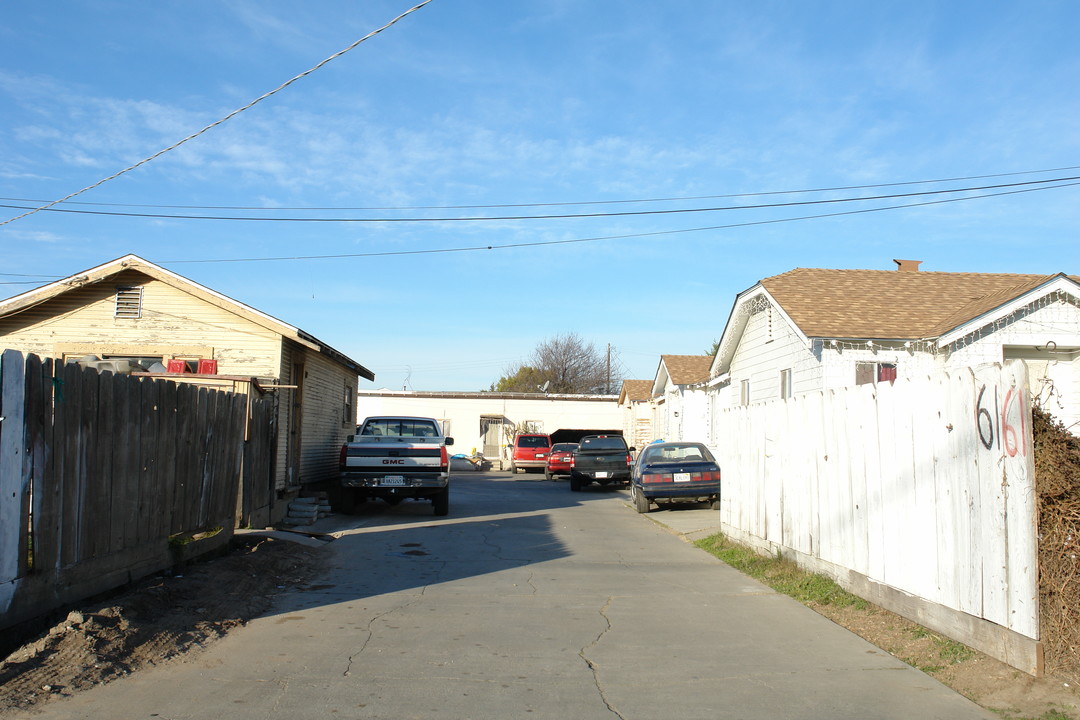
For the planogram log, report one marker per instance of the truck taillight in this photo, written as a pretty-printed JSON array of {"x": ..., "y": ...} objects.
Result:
[
  {"x": 629, "y": 460},
  {"x": 342, "y": 455},
  {"x": 444, "y": 458}
]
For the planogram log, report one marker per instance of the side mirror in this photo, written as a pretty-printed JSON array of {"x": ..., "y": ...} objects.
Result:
[
  {"x": 633, "y": 449},
  {"x": 449, "y": 441}
]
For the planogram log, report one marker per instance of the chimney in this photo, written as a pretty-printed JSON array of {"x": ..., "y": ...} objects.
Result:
[{"x": 907, "y": 265}]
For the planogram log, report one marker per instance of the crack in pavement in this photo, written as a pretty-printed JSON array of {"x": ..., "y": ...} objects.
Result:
[
  {"x": 367, "y": 628},
  {"x": 593, "y": 666}
]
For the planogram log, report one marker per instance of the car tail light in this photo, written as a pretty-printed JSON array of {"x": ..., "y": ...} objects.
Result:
[{"x": 657, "y": 478}]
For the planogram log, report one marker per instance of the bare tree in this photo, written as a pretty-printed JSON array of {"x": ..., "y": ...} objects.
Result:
[{"x": 566, "y": 364}]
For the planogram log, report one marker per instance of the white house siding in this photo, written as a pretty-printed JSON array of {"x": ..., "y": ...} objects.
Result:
[
  {"x": 767, "y": 346},
  {"x": 462, "y": 411}
]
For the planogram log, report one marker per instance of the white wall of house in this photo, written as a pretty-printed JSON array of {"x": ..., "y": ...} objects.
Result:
[
  {"x": 897, "y": 492},
  {"x": 769, "y": 345},
  {"x": 461, "y": 413}
]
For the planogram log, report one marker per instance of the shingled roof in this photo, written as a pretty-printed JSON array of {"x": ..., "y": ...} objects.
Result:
[
  {"x": 636, "y": 390},
  {"x": 687, "y": 369},
  {"x": 892, "y": 305}
]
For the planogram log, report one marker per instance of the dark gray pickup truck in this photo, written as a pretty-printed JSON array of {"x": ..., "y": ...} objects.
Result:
[{"x": 601, "y": 459}]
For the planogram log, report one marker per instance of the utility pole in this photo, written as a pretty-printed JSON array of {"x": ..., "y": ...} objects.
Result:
[{"x": 607, "y": 382}]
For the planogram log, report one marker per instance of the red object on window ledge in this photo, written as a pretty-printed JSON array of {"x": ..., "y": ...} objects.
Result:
[
  {"x": 207, "y": 366},
  {"x": 176, "y": 366}
]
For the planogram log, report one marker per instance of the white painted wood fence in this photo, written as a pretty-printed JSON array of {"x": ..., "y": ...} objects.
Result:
[{"x": 919, "y": 494}]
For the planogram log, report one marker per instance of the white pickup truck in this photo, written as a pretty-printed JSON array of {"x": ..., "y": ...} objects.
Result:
[{"x": 395, "y": 458}]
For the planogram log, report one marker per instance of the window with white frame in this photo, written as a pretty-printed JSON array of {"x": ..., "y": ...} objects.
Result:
[
  {"x": 872, "y": 373},
  {"x": 744, "y": 392}
]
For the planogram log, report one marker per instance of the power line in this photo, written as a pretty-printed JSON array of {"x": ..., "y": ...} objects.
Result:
[
  {"x": 569, "y": 216},
  {"x": 390, "y": 253},
  {"x": 234, "y": 113},
  {"x": 558, "y": 204}
]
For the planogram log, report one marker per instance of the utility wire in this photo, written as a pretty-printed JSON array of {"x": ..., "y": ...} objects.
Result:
[
  {"x": 539, "y": 243},
  {"x": 570, "y": 216},
  {"x": 234, "y": 113},
  {"x": 560, "y": 204}
]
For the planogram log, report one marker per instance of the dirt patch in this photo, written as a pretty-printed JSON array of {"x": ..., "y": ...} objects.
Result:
[{"x": 154, "y": 621}]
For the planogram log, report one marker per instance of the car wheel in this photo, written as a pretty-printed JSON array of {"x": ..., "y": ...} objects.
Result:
[
  {"x": 715, "y": 504},
  {"x": 641, "y": 503},
  {"x": 441, "y": 502},
  {"x": 547, "y": 474},
  {"x": 575, "y": 483}
]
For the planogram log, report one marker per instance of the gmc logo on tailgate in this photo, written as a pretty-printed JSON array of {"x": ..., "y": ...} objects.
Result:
[{"x": 391, "y": 461}]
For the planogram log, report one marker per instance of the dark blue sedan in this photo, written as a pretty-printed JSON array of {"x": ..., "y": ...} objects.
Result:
[{"x": 673, "y": 472}]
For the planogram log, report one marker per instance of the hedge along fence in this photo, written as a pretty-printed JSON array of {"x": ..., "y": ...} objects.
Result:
[
  {"x": 917, "y": 495},
  {"x": 1057, "y": 482},
  {"x": 99, "y": 471}
]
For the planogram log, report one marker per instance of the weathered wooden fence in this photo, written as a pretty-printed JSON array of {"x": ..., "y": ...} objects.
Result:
[
  {"x": 102, "y": 475},
  {"x": 918, "y": 496}
]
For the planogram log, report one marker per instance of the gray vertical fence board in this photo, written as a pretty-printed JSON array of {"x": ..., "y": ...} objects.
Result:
[
  {"x": 167, "y": 430},
  {"x": 12, "y": 403},
  {"x": 96, "y": 530}
]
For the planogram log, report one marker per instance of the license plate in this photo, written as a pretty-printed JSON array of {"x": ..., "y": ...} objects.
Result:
[
  {"x": 540, "y": 455},
  {"x": 682, "y": 477},
  {"x": 393, "y": 480},
  {"x": 601, "y": 474}
]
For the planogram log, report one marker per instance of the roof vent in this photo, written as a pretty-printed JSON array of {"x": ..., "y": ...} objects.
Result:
[
  {"x": 128, "y": 303},
  {"x": 907, "y": 265}
]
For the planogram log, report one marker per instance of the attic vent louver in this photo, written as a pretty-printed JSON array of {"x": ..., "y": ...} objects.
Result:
[{"x": 128, "y": 302}]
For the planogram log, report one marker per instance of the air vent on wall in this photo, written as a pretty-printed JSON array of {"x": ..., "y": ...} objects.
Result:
[{"x": 128, "y": 302}]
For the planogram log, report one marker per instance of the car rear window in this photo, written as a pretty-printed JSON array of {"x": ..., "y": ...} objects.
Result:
[
  {"x": 399, "y": 427},
  {"x": 564, "y": 447},
  {"x": 691, "y": 452},
  {"x": 603, "y": 443},
  {"x": 533, "y": 441}
]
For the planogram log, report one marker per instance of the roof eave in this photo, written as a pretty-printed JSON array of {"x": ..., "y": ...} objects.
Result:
[{"x": 1059, "y": 283}]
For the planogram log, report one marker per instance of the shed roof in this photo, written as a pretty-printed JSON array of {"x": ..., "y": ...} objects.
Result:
[
  {"x": 687, "y": 369},
  {"x": 635, "y": 390}
]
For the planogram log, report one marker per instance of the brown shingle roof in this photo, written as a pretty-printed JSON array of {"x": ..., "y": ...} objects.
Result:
[
  {"x": 636, "y": 390},
  {"x": 891, "y": 305},
  {"x": 687, "y": 369}
]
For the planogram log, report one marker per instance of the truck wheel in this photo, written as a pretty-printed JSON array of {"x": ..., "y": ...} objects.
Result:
[
  {"x": 575, "y": 483},
  {"x": 441, "y": 502},
  {"x": 641, "y": 503},
  {"x": 513, "y": 469}
]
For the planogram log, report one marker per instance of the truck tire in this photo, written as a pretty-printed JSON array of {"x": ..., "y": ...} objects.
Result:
[
  {"x": 575, "y": 483},
  {"x": 441, "y": 502}
]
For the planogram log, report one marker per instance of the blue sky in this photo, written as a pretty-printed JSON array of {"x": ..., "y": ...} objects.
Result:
[{"x": 465, "y": 104}]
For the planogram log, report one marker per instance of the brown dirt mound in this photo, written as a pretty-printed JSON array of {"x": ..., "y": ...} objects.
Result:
[{"x": 155, "y": 620}]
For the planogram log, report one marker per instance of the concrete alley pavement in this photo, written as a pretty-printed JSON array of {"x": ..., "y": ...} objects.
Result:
[{"x": 532, "y": 601}]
